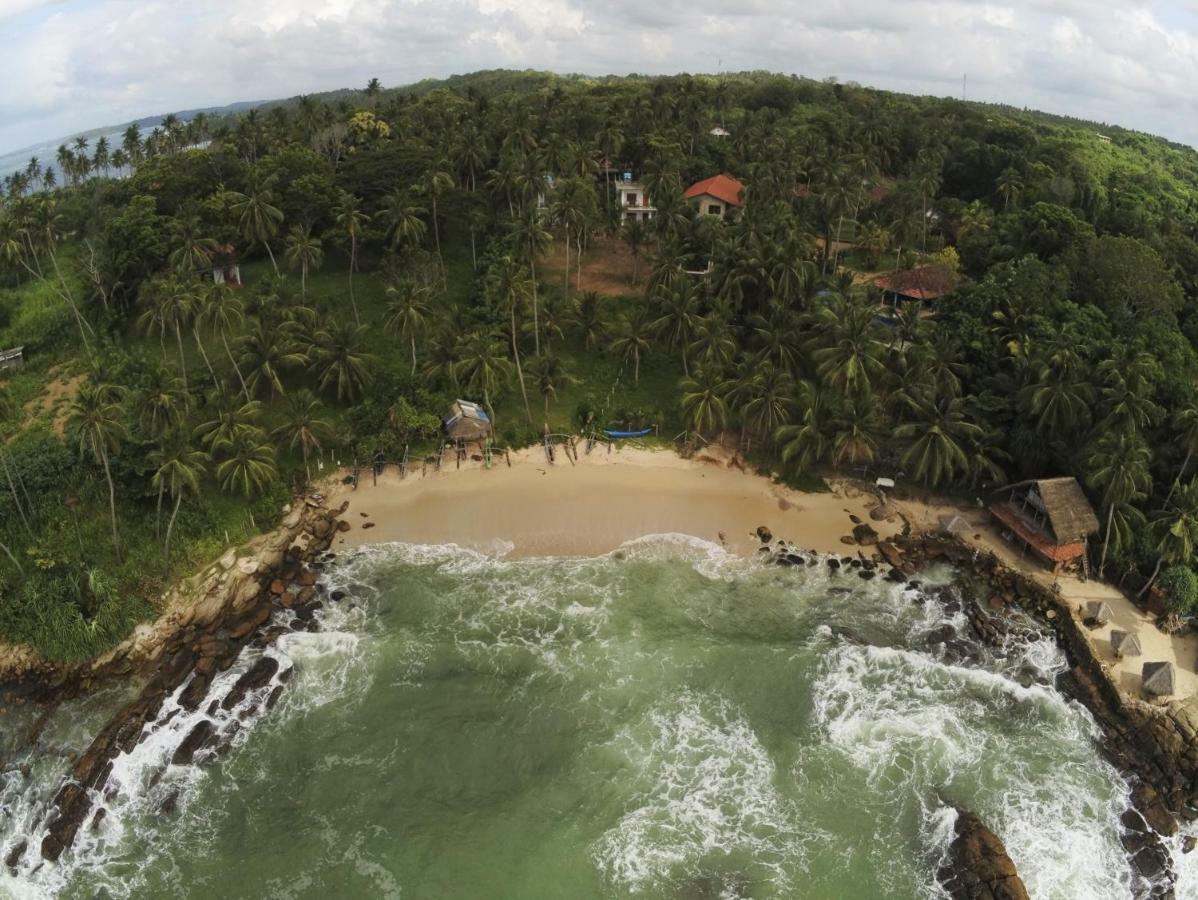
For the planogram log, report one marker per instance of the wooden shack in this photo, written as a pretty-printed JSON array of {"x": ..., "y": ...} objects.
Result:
[
  {"x": 12, "y": 359},
  {"x": 1049, "y": 516},
  {"x": 467, "y": 423}
]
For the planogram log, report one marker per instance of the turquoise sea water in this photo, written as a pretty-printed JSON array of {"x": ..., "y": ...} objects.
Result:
[{"x": 664, "y": 722}]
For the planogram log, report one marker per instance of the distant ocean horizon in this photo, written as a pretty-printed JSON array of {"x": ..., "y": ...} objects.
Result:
[{"x": 17, "y": 160}]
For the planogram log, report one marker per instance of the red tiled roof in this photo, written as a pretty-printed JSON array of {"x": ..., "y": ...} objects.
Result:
[
  {"x": 920, "y": 283},
  {"x": 723, "y": 187},
  {"x": 1037, "y": 540}
]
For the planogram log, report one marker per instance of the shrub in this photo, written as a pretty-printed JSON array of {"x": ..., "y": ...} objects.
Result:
[{"x": 1180, "y": 587}]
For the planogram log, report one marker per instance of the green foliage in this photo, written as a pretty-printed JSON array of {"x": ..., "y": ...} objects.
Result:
[{"x": 1180, "y": 587}]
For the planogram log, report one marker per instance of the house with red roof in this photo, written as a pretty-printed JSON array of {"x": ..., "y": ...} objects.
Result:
[{"x": 716, "y": 195}]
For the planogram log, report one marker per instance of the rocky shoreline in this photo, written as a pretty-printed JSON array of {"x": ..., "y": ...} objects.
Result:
[
  {"x": 976, "y": 866},
  {"x": 1155, "y": 747},
  {"x": 241, "y": 601}
]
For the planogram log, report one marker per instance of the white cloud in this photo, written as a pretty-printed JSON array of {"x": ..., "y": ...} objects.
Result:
[{"x": 84, "y": 63}]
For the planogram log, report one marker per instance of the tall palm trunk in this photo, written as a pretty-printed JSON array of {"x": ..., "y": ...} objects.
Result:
[
  {"x": 271, "y": 254},
  {"x": 1160, "y": 560},
  {"x": 158, "y": 513},
  {"x": 413, "y": 353},
  {"x": 116, "y": 538},
  {"x": 519, "y": 370},
  {"x": 304, "y": 281},
  {"x": 170, "y": 530},
  {"x": 236, "y": 368},
  {"x": 437, "y": 242},
  {"x": 1185, "y": 464},
  {"x": 567, "y": 286},
  {"x": 353, "y": 263},
  {"x": 536, "y": 322},
  {"x": 8, "y": 553},
  {"x": 182, "y": 360},
  {"x": 1106, "y": 539},
  {"x": 203, "y": 353}
]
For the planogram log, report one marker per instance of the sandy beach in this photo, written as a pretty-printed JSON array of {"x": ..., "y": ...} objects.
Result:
[{"x": 608, "y": 498}]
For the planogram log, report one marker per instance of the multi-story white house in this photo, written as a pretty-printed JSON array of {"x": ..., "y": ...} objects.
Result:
[{"x": 634, "y": 201}]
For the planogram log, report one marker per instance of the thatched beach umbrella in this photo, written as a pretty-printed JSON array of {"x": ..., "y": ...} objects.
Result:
[
  {"x": 1124, "y": 644},
  {"x": 954, "y": 524},
  {"x": 1098, "y": 612},
  {"x": 1157, "y": 679}
]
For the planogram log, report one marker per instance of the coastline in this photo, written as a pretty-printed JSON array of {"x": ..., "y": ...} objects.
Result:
[{"x": 591, "y": 507}]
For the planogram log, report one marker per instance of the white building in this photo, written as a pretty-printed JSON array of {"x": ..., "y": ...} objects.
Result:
[{"x": 634, "y": 201}]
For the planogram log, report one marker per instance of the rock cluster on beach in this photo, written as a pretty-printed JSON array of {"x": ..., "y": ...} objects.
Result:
[
  {"x": 237, "y": 607},
  {"x": 976, "y": 866}
]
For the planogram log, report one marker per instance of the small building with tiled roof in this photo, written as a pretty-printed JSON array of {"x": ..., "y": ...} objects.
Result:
[
  {"x": 1049, "y": 516},
  {"x": 922, "y": 286},
  {"x": 716, "y": 195}
]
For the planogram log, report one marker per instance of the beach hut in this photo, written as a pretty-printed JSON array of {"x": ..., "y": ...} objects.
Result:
[
  {"x": 1157, "y": 679},
  {"x": 954, "y": 525},
  {"x": 1049, "y": 516},
  {"x": 467, "y": 422},
  {"x": 1098, "y": 613},
  {"x": 1125, "y": 644}
]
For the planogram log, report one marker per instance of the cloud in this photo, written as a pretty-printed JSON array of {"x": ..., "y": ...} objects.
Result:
[{"x": 76, "y": 64}]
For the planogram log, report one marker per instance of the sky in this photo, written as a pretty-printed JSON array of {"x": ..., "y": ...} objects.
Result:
[{"x": 74, "y": 65}]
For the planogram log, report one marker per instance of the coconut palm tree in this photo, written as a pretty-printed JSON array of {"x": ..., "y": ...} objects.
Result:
[
  {"x": 508, "y": 289},
  {"x": 679, "y": 319},
  {"x": 1185, "y": 423},
  {"x": 1176, "y": 531},
  {"x": 703, "y": 404},
  {"x": 350, "y": 219},
  {"x": 258, "y": 217},
  {"x": 191, "y": 248},
  {"x": 230, "y": 418},
  {"x": 549, "y": 374},
  {"x": 221, "y": 310},
  {"x": 806, "y": 442},
  {"x": 1009, "y": 186},
  {"x": 178, "y": 469},
  {"x": 714, "y": 345},
  {"x": 433, "y": 183},
  {"x": 341, "y": 359},
  {"x": 767, "y": 403},
  {"x": 404, "y": 220},
  {"x": 531, "y": 240},
  {"x": 407, "y": 310},
  {"x": 586, "y": 319},
  {"x": 1118, "y": 466},
  {"x": 303, "y": 426},
  {"x": 482, "y": 365},
  {"x": 98, "y": 415},
  {"x": 247, "y": 465},
  {"x": 264, "y": 354},
  {"x": 939, "y": 437},
  {"x": 846, "y": 346},
  {"x": 161, "y": 403},
  {"x": 304, "y": 251},
  {"x": 633, "y": 337}
]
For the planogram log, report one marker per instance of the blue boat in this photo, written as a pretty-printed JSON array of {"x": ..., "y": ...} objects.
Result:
[{"x": 629, "y": 434}]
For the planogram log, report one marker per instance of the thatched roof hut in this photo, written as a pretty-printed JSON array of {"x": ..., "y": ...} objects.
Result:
[
  {"x": 1157, "y": 679},
  {"x": 1051, "y": 516},
  {"x": 467, "y": 422},
  {"x": 1125, "y": 644},
  {"x": 1098, "y": 612}
]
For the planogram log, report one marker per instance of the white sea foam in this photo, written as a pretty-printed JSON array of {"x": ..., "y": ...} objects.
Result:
[{"x": 707, "y": 803}]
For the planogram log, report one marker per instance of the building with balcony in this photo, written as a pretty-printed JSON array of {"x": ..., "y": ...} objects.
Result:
[{"x": 635, "y": 205}]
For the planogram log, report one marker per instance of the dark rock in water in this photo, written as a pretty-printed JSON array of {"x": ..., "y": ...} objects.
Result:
[
  {"x": 170, "y": 805},
  {"x": 833, "y": 563},
  {"x": 847, "y": 560},
  {"x": 848, "y": 634},
  {"x": 763, "y": 550},
  {"x": 73, "y": 806},
  {"x": 193, "y": 695},
  {"x": 866, "y": 574},
  {"x": 764, "y": 534},
  {"x": 337, "y": 595},
  {"x": 914, "y": 583},
  {"x": 197, "y": 739},
  {"x": 258, "y": 675},
  {"x": 865, "y": 535},
  {"x": 15, "y": 854},
  {"x": 274, "y": 696},
  {"x": 977, "y": 866},
  {"x": 855, "y": 563},
  {"x": 783, "y": 561},
  {"x": 795, "y": 559},
  {"x": 1189, "y": 843},
  {"x": 856, "y": 520},
  {"x": 847, "y": 539},
  {"x": 898, "y": 576},
  {"x": 98, "y": 818}
]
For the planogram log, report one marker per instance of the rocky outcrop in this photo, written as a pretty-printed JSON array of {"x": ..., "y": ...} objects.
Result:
[
  {"x": 1155, "y": 747},
  {"x": 231, "y": 606},
  {"x": 976, "y": 865}
]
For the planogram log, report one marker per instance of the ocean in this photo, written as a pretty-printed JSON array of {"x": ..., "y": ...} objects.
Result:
[{"x": 666, "y": 721}]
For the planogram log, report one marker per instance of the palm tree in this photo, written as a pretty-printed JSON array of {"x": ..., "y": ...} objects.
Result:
[
  {"x": 1009, "y": 185},
  {"x": 635, "y": 236},
  {"x": 587, "y": 319},
  {"x": 265, "y": 353},
  {"x": 939, "y": 437},
  {"x": 703, "y": 405},
  {"x": 98, "y": 414},
  {"x": 303, "y": 425},
  {"x": 405, "y": 223},
  {"x": 177, "y": 470},
  {"x": 848, "y": 354},
  {"x": 161, "y": 403},
  {"x": 305, "y": 251},
  {"x": 531, "y": 241},
  {"x": 248, "y": 465},
  {"x": 1118, "y": 466},
  {"x": 258, "y": 217},
  {"x": 549, "y": 374},
  {"x": 1176, "y": 528},
  {"x": 482, "y": 366},
  {"x": 768, "y": 400},
  {"x": 807, "y": 442},
  {"x": 222, "y": 311},
  {"x": 342, "y": 360},
  {"x": 1185, "y": 421},
  {"x": 633, "y": 336},
  {"x": 432, "y": 184},
  {"x": 509, "y": 288},
  {"x": 349, "y": 217},
  {"x": 168, "y": 308},
  {"x": 406, "y": 312},
  {"x": 191, "y": 248},
  {"x": 231, "y": 419},
  {"x": 679, "y": 319}
]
